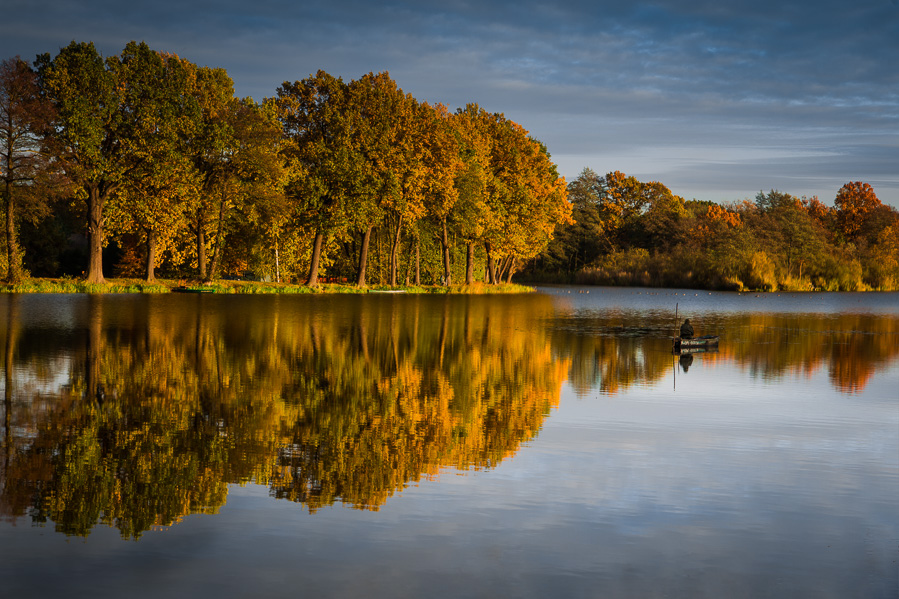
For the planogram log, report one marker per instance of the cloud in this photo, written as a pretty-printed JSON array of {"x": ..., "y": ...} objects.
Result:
[{"x": 593, "y": 80}]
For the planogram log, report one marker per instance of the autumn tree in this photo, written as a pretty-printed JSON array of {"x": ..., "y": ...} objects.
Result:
[
  {"x": 85, "y": 136},
  {"x": 255, "y": 176},
  {"x": 23, "y": 118},
  {"x": 156, "y": 90},
  {"x": 444, "y": 162},
  {"x": 527, "y": 196},
  {"x": 381, "y": 137},
  {"x": 234, "y": 149},
  {"x": 823, "y": 215},
  {"x": 578, "y": 244},
  {"x": 881, "y": 259},
  {"x": 259, "y": 210},
  {"x": 615, "y": 212},
  {"x": 855, "y": 203},
  {"x": 317, "y": 122},
  {"x": 472, "y": 216},
  {"x": 211, "y": 149},
  {"x": 413, "y": 169}
]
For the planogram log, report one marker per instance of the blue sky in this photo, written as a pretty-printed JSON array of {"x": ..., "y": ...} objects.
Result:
[{"x": 717, "y": 100}]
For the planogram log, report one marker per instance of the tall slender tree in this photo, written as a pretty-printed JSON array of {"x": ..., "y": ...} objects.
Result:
[
  {"x": 212, "y": 148},
  {"x": 317, "y": 122},
  {"x": 156, "y": 90},
  {"x": 24, "y": 115}
]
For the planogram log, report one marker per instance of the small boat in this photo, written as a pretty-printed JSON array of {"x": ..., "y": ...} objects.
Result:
[
  {"x": 185, "y": 289},
  {"x": 696, "y": 343}
]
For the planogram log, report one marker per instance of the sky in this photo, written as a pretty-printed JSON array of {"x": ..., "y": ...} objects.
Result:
[{"x": 717, "y": 100}]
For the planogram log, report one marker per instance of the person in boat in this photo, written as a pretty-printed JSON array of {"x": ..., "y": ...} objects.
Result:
[{"x": 686, "y": 330}]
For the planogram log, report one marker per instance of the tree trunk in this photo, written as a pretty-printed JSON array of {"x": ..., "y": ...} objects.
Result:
[
  {"x": 363, "y": 257},
  {"x": 277, "y": 264},
  {"x": 394, "y": 251},
  {"x": 491, "y": 269},
  {"x": 417, "y": 261},
  {"x": 219, "y": 242},
  {"x": 379, "y": 258},
  {"x": 95, "y": 201},
  {"x": 469, "y": 263},
  {"x": 501, "y": 268},
  {"x": 409, "y": 262},
  {"x": 444, "y": 240},
  {"x": 201, "y": 248},
  {"x": 13, "y": 260},
  {"x": 511, "y": 270},
  {"x": 312, "y": 281},
  {"x": 151, "y": 256}
]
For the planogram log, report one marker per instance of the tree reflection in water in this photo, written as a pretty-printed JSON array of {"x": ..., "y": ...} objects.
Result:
[
  {"x": 168, "y": 400},
  {"x": 609, "y": 357},
  {"x": 136, "y": 411}
]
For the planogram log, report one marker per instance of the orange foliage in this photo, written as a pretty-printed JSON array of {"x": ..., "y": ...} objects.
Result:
[
  {"x": 854, "y": 202},
  {"x": 718, "y": 213},
  {"x": 716, "y": 220}
]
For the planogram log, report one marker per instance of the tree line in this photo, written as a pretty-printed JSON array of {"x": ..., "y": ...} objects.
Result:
[
  {"x": 629, "y": 232},
  {"x": 146, "y": 163}
]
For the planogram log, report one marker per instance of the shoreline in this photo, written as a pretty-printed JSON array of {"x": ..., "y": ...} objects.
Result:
[{"x": 163, "y": 286}]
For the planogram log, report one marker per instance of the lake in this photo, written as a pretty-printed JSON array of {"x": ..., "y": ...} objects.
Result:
[{"x": 548, "y": 444}]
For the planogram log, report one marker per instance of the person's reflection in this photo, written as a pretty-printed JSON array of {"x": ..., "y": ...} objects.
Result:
[{"x": 686, "y": 360}]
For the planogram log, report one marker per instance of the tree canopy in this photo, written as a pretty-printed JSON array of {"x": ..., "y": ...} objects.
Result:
[
  {"x": 149, "y": 165},
  {"x": 355, "y": 180}
]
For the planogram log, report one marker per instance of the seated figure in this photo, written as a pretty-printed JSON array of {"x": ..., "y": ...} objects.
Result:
[{"x": 686, "y": 330}]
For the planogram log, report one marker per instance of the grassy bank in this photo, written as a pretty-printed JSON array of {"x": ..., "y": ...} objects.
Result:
[{"x": 241, "y": 287}]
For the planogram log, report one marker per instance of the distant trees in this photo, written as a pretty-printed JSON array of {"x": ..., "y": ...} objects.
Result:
[{"x": 634, "y": 233}]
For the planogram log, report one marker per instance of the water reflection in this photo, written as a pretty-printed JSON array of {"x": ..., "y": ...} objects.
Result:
[
  {"x": 146, "y": 408},
  {"x": 134, "y": 411},
  {"x": 610, "y": 356}
]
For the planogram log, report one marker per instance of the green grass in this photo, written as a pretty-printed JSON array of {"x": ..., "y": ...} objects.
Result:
[
  {"x": 67, "y": 285},
  {"x": 70, "y": 285}
]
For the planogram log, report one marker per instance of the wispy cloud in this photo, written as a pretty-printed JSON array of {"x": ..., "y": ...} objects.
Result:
[{"x": 716, "y": 100}]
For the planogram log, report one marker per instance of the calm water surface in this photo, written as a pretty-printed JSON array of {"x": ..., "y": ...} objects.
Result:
[{"x": 403, "y": 446}]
